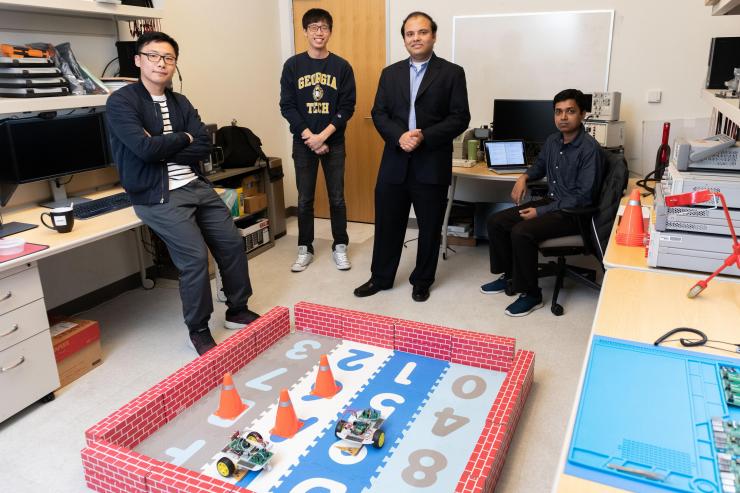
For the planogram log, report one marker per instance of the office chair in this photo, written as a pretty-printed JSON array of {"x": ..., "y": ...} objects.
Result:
[{"x": 595, "y": 224}]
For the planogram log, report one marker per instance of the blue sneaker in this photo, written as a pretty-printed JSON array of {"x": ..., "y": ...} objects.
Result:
[
  {"x": 497, "y": 286},
  {"x": 524, "y": 305}
]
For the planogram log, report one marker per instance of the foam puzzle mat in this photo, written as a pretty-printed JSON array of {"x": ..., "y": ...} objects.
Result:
[{"x": 451, "y": 400}]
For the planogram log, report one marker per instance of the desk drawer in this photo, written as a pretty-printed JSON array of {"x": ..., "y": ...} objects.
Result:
[
  {"x": 19, "y": 289},
  {"x": 27, "y": 373},
  {"x": 22, "y": 323}
]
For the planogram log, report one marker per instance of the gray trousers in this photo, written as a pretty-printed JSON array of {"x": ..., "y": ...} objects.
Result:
[{"x": 194, "y": 221}]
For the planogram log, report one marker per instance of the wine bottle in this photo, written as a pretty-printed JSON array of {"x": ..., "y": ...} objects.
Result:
[{"x": 664, "y": 152}]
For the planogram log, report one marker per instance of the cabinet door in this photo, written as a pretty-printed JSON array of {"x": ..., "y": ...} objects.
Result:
[{"x": 28, "y": 372}]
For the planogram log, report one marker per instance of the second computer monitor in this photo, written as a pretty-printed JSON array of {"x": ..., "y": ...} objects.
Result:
[{"x": 529, "y": 120}]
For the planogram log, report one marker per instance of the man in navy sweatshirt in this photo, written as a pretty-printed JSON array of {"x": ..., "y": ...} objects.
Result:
[
  {"x": 158, "y": 141},
  {"x": 317, "y": 97}
]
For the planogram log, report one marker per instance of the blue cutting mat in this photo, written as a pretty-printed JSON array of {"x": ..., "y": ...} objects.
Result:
[{"x": 650, "y": 409}]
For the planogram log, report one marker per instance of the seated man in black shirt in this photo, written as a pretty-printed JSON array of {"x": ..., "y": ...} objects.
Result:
[{"x": 571, "y": 160}]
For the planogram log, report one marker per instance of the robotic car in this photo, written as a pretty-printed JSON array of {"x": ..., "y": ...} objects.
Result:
[
  {"x": 246, "y": 450},
  {"x": 362, "y": 427}
]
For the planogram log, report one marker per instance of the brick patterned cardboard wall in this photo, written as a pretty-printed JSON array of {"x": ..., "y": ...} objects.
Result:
[
  {"x": 488, "y": 457},
  {"x": 272, "y": 326},
  {"x": 367, "y": 328},
  {"x": 340, "y": 323},
  {"x": 197, "y": 378},
  {"x": 132, "y": 423},
  {"x": 112, "y": 469},
  {"x": 482, "y": 350},
  {"x": 318, "y": 319},
  {"x": 423, "y": 339},
  {"x": 168, "y": 478}
]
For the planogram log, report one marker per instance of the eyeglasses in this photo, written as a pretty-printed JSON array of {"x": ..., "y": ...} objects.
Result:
[
  {"x": 156, "y": 57},
  {"x": 314, "y": 28}
]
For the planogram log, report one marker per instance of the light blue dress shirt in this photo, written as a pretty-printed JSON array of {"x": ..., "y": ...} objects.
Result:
[{"x": 416, "y": 74}]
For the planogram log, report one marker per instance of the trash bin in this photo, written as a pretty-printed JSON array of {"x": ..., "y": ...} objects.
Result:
[{"x": 276, "y": 205}]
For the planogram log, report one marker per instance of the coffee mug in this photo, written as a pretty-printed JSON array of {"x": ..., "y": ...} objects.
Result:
[{"x": 62, "y": 219}]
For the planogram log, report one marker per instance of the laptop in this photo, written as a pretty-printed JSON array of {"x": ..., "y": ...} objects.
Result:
[{"x": 506, "y": 156}]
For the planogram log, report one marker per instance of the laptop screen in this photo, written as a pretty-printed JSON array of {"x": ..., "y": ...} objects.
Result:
[{"x": 505, "y": 153}]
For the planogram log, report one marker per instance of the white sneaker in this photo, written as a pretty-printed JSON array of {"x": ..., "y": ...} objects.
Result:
[
  {"x": 340, "y": 257},
  {"x": 304, "y": 258}
]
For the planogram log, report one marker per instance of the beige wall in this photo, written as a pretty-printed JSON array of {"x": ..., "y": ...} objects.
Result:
[
  {"x": 230, "y": 63},
  {"x": 657, "y": 44}
]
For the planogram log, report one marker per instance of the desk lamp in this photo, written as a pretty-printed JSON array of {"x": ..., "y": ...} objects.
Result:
[{"x": 698, "y": 197}]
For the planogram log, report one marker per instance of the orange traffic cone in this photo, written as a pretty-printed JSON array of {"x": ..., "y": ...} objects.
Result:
[
  {"x": 287, "y": 423},
  {"x": 231, "y": 404},
  {"x": 631, "y": 230},
  {"x": 325, "y": 385}
]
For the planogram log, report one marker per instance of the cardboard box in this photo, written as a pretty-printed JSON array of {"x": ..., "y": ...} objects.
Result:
[
  {"x": 240, "y": 200},
  {"x": 252, "y": 185},
  {"x": 460, "y": 241},
  {"x": 76, "y": 348},
  {"x": 255, "y": 203}
]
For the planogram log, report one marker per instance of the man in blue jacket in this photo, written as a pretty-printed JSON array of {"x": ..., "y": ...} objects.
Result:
[{"x": 158, "y": 140}]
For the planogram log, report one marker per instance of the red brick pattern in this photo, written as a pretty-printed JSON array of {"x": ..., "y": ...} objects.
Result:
[
  {"x": 318, "y": 319},
  {"x": 367, "y": 328},
  {"x": 132, "y": 423},
  {"x": 110, "y": 466},
  {"x": 108, "y": 463},
  {"x": 113, "y": 469},
  {"x": 487, "y": 460},
  {"x": 428, "y": 340},
  {"x": 270, "y": 327},
  {"x": 167, "y": 478},
  {"x": 482, "y": 350}
]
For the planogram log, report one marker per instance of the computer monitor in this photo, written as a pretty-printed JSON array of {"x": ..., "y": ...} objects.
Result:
[
  {"x": 35, "y": 149},
  {"x": 529, "y": 120}
]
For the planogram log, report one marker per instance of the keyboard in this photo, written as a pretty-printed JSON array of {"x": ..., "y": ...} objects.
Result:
[{"x": 92, "y": 208}]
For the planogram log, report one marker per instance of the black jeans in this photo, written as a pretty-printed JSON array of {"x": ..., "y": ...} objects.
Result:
[
  {"x": 514, "y": 241},
  {"x": 306, "y": 170},
  {"x": 194, "y": 221}
]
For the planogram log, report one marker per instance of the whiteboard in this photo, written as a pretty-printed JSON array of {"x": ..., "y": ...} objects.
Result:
[{"x": 531, "y": 55}]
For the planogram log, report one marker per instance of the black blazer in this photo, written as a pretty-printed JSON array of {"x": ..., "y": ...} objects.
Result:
[{"x": 441, "y": 113}]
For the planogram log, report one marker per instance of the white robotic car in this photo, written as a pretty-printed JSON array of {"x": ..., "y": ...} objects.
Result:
[
  {"x": 246, "y": 451},
  {"x": 362, "y": 428}
]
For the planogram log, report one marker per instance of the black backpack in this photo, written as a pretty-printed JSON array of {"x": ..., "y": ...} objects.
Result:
[{"x": 242, "y": 148}]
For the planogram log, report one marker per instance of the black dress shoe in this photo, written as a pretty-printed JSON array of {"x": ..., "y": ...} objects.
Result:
[
  {"x": 420, "y": 293},
  {"x": 368, "y": 289}
]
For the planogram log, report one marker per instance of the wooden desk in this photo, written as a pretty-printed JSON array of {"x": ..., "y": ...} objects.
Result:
[
  {"x": 478, "y": 172},
  {"x": 656, "y": 303},
  {"x": 84, "y": 230}
]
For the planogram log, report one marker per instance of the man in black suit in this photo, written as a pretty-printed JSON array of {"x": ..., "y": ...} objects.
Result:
[{"x": 420, "y": 107}]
